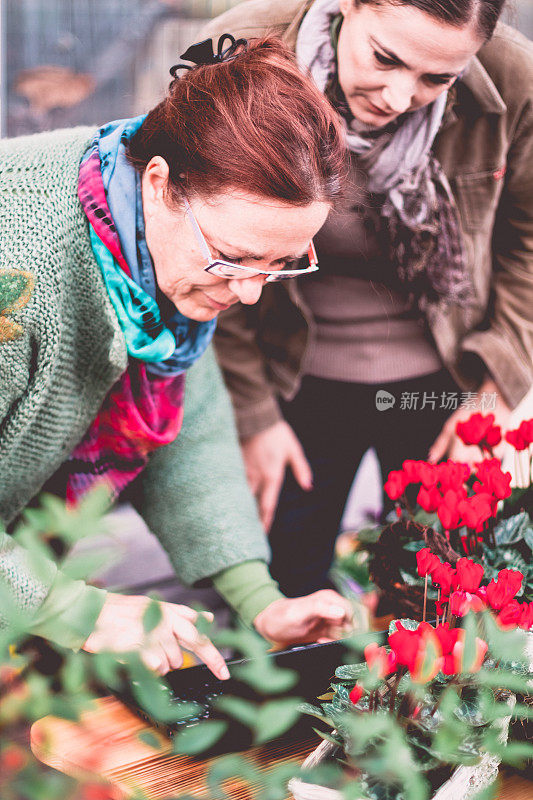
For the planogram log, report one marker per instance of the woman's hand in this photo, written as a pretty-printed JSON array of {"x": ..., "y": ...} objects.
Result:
[
  {"x": 318, "y": 617},
  {"x": 119, "y": 629},
  {"x": 266, "y": 457},
  {"x": 448, "y": 443}
]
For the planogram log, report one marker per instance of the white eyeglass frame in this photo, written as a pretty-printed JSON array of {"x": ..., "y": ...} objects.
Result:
[{"x": 219, "y": 267}]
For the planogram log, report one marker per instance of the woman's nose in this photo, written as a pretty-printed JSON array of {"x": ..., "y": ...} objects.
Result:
[
  {"x": 248, "y": 290},
  {"x": 398, "y": 94}
]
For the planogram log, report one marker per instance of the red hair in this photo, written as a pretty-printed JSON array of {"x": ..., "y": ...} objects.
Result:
[{"x": 254, "y": 123}]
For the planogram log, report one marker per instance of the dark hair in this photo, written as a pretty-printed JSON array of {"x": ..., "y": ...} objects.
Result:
[
  {"x": 484, "y": 13},
  {"x": 253, "y": 123}
]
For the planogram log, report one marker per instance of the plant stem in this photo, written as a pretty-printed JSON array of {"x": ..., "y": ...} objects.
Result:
[
  {"x": 425, "y": 598},
  {"x": 408, "y": 507},
  {"x": 394, "y": 691}
]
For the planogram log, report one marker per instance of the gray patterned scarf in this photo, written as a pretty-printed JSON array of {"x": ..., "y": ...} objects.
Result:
[{"x": 418, "y": 208}]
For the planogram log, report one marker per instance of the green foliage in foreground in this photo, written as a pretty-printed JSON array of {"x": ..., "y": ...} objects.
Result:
[
  {"x": 64, "y": 684},
  {"x": 68, "y": 688}
]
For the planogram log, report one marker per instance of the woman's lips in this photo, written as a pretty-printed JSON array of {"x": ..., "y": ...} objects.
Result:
[
  {"x": 215, "y": 304},
  {"x": 377, "y": 110}
]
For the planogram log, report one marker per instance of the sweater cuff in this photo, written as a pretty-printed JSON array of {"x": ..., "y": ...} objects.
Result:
[
  {"x": 255, "y": 418},
  {"x": 248, "y": 588},
  {"x": 512, "y": 374},
  {"x": 69, "y": 612}
]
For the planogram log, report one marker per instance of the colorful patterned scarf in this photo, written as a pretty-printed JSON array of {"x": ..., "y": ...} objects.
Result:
[{"x": 144, "y": 409}]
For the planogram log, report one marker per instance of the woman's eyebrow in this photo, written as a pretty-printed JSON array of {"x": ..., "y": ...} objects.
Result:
[
  {"x": 389, "y": 53},
  {"x": 394, "y": 57},
  {"x": 250, "y": 256}
]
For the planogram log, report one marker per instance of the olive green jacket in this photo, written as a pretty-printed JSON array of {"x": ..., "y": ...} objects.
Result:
[{"x": 485, "y": 146}]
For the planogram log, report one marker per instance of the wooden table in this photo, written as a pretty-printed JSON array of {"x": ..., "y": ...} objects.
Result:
[{"x": 105, "y": 743}]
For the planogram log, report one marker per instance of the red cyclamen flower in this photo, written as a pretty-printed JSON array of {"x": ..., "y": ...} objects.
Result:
[
  {"x": 502, "y": 591},
  {"x": 463, "y": 602},
  {"x": 448, "y": 511},
  {"x": 396, "y": 483},
  {"x": 510, "y": 615},
  {"x": 476, "y": 510},
  {"x": 444, "y": 576},
  {"x": 452, "y": 475},
  {"x": 378, "y": 659},
  {"x": 492, "y": 479},
  {"x": 429, "y": 499},
  {"x": 426, "y": 561},
  {"x": 469, "y": 575},
  {"x": 479, "y": 429},
  {"x": 476, "y": 659},
  {"x": 520, "y": 438},
  {"x": 526, "y": 617},
  {"x": 356, "y": 694}
]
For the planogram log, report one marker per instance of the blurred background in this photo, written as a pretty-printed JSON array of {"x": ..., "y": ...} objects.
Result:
[
  {"x": 79, "y": 62},
  {"x": 74, "y": 62}
]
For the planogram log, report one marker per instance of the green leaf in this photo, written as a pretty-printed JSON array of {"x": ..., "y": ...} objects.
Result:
[
  {"x": 504, "y": 679},
  {"x": 107, "y": 669},
  {"x": 74, "y": 673},
  {"x": 414, "y": 545},
  {"x": 488, "y": 793},
  {"x": 242, "y": 710},
  {"x": 265, "y": 677},
  {"x": 511, "y": 530},
  {"x": 408, "y": 624},
  {"x": 275, "y": 718},
  {"x": 369, "y": 535},
  {"x": 506, "y": 646},
  {"x": 230, "y": 767},
  {"x": 313, "y": 711},
  {"x": 410, "y": 578},
  {"x": 152, "y": 616},
  {"x": 149, "y": 738},
  {"x": 155, "y": 697},
  {"x": 470, "y": 646},
  {"x": 427, "y": 519},
  {"x": 351, "y": 672},
  {"x": 195, "y": 739},
  {"x": 514, "y": 753}
]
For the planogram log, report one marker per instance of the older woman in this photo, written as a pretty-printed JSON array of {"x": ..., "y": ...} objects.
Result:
[
  {"x": 426, "y": 283},
  {"x": 119, "y": 247}
]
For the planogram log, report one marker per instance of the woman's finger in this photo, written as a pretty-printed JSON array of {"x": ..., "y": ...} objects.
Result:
[
  {"x": 189, "y": 613},
  {"x": 155, "y": 659},
  {"x": 172, "y": 650},
  {"x": 300, "y": 466},
  {"x": 188, "y": 636},
  {"x": 440, "y": 446},
  {"x": 268, "y": 500}
]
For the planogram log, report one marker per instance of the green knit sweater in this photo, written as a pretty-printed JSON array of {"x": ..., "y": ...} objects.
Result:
[{"x": 61, "y": 350}]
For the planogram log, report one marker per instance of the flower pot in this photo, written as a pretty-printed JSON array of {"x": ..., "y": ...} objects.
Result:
[{"x": 464, "y": 783}]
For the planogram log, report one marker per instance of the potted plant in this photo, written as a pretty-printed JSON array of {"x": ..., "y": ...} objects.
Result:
[
  {"x": 456, "y": 512},
  {"x": 426, "y": 715}
]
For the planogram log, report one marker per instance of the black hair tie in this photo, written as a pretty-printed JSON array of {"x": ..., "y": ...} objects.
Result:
[{"x": 202, "y": 54}]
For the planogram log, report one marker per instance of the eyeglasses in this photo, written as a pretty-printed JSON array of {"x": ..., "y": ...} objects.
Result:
[{"x": 228, "y": 269}]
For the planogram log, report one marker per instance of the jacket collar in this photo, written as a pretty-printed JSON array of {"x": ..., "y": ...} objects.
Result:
[{"x": 478, "y": 81}]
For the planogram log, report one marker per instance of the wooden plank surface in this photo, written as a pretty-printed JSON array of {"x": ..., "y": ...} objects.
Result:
[{"x": 105, "y": 743}]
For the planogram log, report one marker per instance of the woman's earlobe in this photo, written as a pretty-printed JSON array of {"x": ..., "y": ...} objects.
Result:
[{"x": 345, "y": 6}]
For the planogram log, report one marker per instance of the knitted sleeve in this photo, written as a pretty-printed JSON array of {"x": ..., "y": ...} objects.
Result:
[
  {"x": 47, "y": 602},
  {"x": 193, "y": 495}
]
